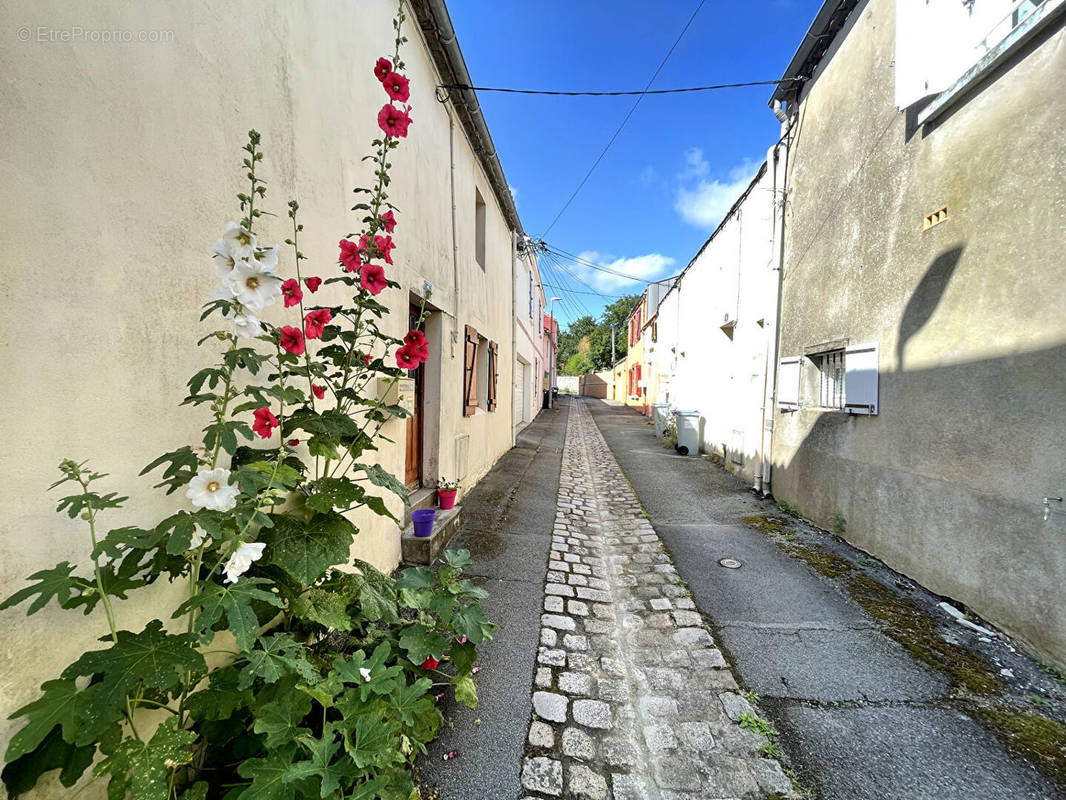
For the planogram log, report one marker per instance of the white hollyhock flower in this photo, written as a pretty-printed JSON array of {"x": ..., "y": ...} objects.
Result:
[
  {"x": 247, "y": 326},
  {"x": 365, "y": 673},
  {"x": 198, "y": 537},
  {"x": 240, "y": 243},
  {"x": 223, "y": 258},
  {"x": 253, "y": 286},
  {"x": 211, "y": 489},
  {"x": 267, "y": 257},
  {"x": 222, "y": 292},
  {"x": 242, "y": 559}
]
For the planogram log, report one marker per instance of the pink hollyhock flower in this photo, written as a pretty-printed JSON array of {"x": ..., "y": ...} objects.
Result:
[
  {"x": 315, "y": 321},
  {"x": 382, "y": 69},
  {"x": 351, "y": 255},
  {"x": 415, "y": 337},
  {"x": 265, "y": 422},
  {"x": 372, "y": 278},
  {"x": 393, "y": 121},
  {"x": 430, "y": 663},
  {"x": 292, "y": 292},
  {"x": 397, "y": 87},
  {"x": 313, "y": 284},
  {"x": 384, "y": 245},
  {"x": 293, "y": 442},
  {"x": 388, "y": 219},
  {"x": 291, "y": 339},
  {"x": 406, "y": 358},
  {"x": 421, "y": 352},
  {"x": 319, "y": 390}
]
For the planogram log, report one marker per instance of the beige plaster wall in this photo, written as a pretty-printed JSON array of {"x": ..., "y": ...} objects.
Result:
[
  {"x": 946, "y": 482},
  {"x": 119, "y": 169}
]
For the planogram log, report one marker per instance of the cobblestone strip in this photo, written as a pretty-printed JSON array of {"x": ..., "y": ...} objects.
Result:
[{"x": 631, "y": 699}]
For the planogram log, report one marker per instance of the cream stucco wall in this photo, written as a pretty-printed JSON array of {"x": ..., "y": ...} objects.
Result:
[
  {"x": 529, "y": 341},
  {"x": 946, "y": 482},
  {"x": 119, "y": 169}
]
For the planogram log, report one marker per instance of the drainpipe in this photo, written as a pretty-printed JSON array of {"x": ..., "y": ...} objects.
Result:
[
  {"x": 514, "y": 326},
  {"x": 455, "y": 234}
]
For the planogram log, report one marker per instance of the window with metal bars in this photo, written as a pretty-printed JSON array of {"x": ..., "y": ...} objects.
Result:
[{"x": 830, "y": 378}]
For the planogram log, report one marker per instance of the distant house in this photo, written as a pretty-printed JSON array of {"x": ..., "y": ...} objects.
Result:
[
  {"x": 551, "y": 350},
  {"x": 529, "y": 335},
  {"x": 921, "y": 386}
]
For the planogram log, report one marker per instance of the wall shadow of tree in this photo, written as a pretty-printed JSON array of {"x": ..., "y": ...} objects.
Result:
[{"x": 926, "y": 297}]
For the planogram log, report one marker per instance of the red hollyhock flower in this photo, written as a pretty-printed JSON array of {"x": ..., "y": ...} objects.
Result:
[
  {"x": 407, "y": 358},
  {"x": 384, "y": 245},
  {"x": 372, "y": 278},
  {"x": 393, "y": 121},
  {"x": 388, "y": 219},
  {"x": 351, "y": 255},
  {"x": 430, "y": 663},
  {"x": 415, "y": 337},
  {"x": 292, "y": 292},
  {"x": 313, "y": 284},
  {"x": 367, "y": 359},
  {"x": 319, "y": 390},
  {"x": 397, "y": 87},
  {"x": 421, "y": 352},
  {"x": 293, "y": 442},
  {"x": 292, "y": 339},
  {"x": 382, "y": 69},
  {"x": 265, "y": 422},
  {"x": 315, "y": 321}
]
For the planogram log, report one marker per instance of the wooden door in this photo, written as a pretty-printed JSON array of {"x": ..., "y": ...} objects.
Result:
[{"x": 413, "y": 460}]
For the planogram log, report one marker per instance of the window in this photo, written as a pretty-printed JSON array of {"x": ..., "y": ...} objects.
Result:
[
  {"x": 470, "y": 347},
  {"x": 486, "y": 374},
  {"x": 479, "y": 228},
  {"x": 830, "y": 378}
]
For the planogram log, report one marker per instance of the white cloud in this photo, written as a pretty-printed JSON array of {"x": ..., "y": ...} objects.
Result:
[
  {"x": 647, "y": 268},
  {"x": 703, "y": 202},
  {"x": 514, "y": 194}
]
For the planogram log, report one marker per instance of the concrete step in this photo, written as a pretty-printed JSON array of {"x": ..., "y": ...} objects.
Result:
[
  {"x": 425, "y": 497},
  {"x": 425, "y": 550}
]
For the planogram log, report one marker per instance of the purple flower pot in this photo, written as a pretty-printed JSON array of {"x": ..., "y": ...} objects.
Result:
[{"x": 423, "y": 521}]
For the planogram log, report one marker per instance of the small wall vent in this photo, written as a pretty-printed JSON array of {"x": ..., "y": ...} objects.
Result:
[{"x": 938, "y": 216}]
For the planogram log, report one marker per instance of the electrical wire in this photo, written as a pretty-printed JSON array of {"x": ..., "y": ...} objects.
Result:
[
  {"x": 586, "y": 263},
  {"x": 554, "y": 93},
  {"x": 614, "y": 136}
]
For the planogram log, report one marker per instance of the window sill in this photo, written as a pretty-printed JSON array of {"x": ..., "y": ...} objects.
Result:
[{"x": 1036, "y": 22}]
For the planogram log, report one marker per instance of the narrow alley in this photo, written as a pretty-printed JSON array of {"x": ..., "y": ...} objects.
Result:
[{"x": 656, "y": 671}]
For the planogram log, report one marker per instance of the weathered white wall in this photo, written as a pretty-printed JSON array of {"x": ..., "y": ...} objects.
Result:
[
  {"x": 529, "y": 341},
  {"x": 698, "y": 366},
  {"x": 119, "y": 169}
]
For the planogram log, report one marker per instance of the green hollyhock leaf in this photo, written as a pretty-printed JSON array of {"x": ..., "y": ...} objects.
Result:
[
  {"x": 183, "y": 466},
  {"x": 141, "y": 769},
  {"x": 58, "y": 705},
  {"x": 307, "y": 549},
  {"x": 330, "y": 493},
  {"x": 324, "y": 607},
  {"x": 322, "y": 765},
  {"x": 56, "y": 582},
  {"x": 465, "y": 690},
  {"x": 463, "y": 656},
  {"x": 419, "y": 643},
  {"x": 371, "y": 675},
  {"x": 198, "y": 791},
  {"x": 280, "y": 718},
  {"x": 178, "y": 530},
  {"x": 121, "y": 540},
  {"x": 410, "y": 701},
  {"x": 115, "y": 585},
  {"x": 152, "y": 657},
  {"x": 367, "y": 741},
  {"x": 268, "y": 774},
  {"x": 379, "y": 476},
  {"x": 221, "y": 698},
  {"x": 235, "y": 601},
  {"x": 375, "y": 592},
  {"x": 276, "y": 656},
  {"x": 370, "y": 790},
  {"x": 460, "y": 559},
  {"x": 471, "y": 622},
  {"x": 53, "y": 752},
  {"x": 417, "y": 579}
]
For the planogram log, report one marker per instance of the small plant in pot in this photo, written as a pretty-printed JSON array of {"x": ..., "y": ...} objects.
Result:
[{"x": 446, "y": 491}]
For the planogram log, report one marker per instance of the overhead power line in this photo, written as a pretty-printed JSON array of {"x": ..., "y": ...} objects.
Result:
[
  {"x": 555, "y": 93},
  {"x": 636, "y": 103},
  {"x": 586, "y": 263}
]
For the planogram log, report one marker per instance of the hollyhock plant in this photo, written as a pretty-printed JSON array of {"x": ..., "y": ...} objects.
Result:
[
  {"x": 397, "y": 87},
  {"x": 394, "y": 121},
  {"x": 241, "y": 560},
  {"x": 415, "y": 337},
  {"x": 382, "y": 68},
  {"x": 246, "y": 326},
  {"x": 313, "y": 283},
  {"x": 267, "y": 258},
  {"x": 291, "y": 291},
  {"x": 265, "y": 422},
  {"x": 210, "y": 488},
  {"x": 351, "y": 255},
  {"x": 388, "y": 221},
  {"x": 384, "y": 246},
  {"x": 239, "y": 241},
  {"x": 430, "y": 663},
  {"x": 407, "y": 358},
  {"x": 316, "y": 321},
  {"x": 252, "y": 286},
  {"x": 372, "y": 278},
  {"x": 318, "y": 390},
  {"x": 291, "y": 339}
]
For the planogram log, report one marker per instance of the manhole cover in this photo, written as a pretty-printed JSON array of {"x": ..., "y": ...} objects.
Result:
[{"x": 729, "y": 563}]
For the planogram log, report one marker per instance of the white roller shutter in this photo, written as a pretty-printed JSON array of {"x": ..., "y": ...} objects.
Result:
[
  {"x": 860, "y": 378},
  {"x": 788, "y": 383}
]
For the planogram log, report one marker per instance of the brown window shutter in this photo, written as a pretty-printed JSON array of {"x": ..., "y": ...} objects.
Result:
[
  {"x": 470, "y": 373},
  {"x": 493, "y": 374}
]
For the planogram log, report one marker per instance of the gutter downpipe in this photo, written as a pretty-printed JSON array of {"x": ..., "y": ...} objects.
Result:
[
  {"x": 763, "y": 480},
  {"x": 514, "y": 328}
]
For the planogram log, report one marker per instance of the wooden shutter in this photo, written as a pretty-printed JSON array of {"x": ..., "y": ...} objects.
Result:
[
  {"x": 788, "y": 383},
  {"x": 860, "y": 378},
  {"x": 470, "y": 373},
  {"x": 493, "y": 375}
]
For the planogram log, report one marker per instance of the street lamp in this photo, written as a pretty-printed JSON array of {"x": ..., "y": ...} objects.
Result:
[{"x": 555, "y": 353}]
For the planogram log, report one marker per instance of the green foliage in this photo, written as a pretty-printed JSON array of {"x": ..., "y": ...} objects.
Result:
[
  {"x": 318, "y": 683},
  {"x": 787, "y": 508},
  {"x": 840, "y": 525},
  {"x": 585, "y": 346}
]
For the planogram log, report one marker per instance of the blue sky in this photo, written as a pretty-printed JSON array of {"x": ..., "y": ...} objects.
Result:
[{"x": 681, "y": 160}]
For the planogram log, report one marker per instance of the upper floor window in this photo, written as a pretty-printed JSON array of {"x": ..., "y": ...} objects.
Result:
[{"x": 479, "y": 228}]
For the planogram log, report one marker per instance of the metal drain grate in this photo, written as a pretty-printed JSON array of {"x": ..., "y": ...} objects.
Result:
[{"x": 729, "y": 563}]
